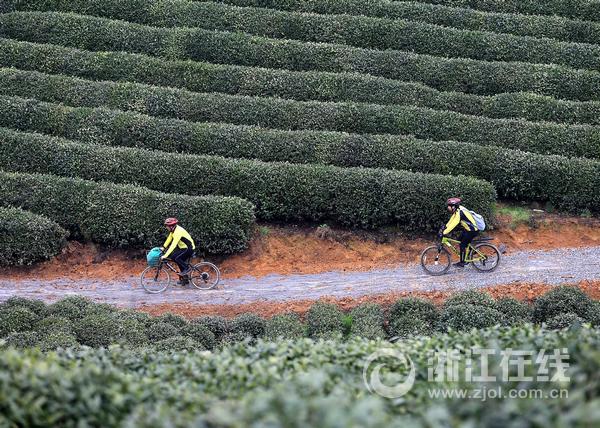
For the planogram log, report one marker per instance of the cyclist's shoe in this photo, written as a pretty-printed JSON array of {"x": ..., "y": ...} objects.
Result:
[
  {"x": 183, "y": 282},
  {"x": 460, "y": 264}
]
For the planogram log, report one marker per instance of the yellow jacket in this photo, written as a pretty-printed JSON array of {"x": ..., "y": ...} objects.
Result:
[
  {"x": 178, "y": 238},
  {"x": 463, "y": 217}
]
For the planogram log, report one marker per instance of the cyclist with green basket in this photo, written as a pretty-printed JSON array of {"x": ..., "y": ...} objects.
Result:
[
  {"x": 470, "y": 221},
  {"x": 179, "y": 247}
]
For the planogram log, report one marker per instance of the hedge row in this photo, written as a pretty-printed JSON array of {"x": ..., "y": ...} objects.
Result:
[
  {"x": 101, "y": 325},
  {"x": 362, "y": 32},
  {"x": 514, "y": 174},
  {"x": 125, "y": 216},
  {"x": 26, "y": 238},
  {"x": 300, "y": 383},
  {"x": 587, "y": 10},
  {"x": 349, "y": 196},
  {"x": 553, "y": 27},
  {"x": 544, "y": 138},
  {"x": 465, "y": 75},
  {"x": 302, "y": 86}
]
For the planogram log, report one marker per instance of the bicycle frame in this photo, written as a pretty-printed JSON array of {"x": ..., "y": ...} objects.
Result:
[
  {"x": 166, "y": 263},
  {"x": 453, "y": 247}
]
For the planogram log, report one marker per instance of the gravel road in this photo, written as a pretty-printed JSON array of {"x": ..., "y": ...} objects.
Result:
[{"x": 549, "y": 267}]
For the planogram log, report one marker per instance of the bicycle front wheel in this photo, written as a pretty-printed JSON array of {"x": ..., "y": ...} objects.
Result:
[
  {"x": 435, "y": 260},
  {"x": 205, "y": 276},
  {"x": 486, "y": 257},
  {"x": 155, "y": 279}
]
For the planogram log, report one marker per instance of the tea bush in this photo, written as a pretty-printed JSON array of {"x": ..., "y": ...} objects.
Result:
[
  {"x": 450, "y": 74},
  {"x": 359, "y": 31},
  {"x": 27, "y": 238},
  {"x": 359, "y": 197},
  {"x": 324, "y": 320},
  {"x": 301, "y": 86},
  {"x": 129, "y": 216}
]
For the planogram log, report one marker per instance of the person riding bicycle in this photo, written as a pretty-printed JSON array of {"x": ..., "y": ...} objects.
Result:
[
  {"x": 180, "y": 249},
  {"x": 462, "y": 216}
]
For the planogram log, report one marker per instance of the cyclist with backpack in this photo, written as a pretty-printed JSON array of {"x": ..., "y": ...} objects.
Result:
[
  {"x": 471, "y": 222},
  {"x": 181, "y": 247}
]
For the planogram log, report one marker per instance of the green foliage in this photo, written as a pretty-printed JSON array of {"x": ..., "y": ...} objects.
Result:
[
  {"x": 65, "y": 309},
  {"x": 27, "y": 238},
  {"x": 99, "y": 309},
  {"x": 449, "y": 14},
  {"x": 284, "y": 326},
  {"x": 414, "y": 307},
  {"x": 54, "y": 324},
  {"x": 302, "y": 86},
  {"x": 218, "y": 325},
  {"x": 576, "y": 9},
  {"x": 367, "y": 321},
  {"x": 38, "y": 307},
  {"x": 471, "y": 297},
  {"x": 158, "y": 331},
  {"x": 22, "y": 339},
  {"x": 464, "y": 316},
  {"x": 98, "y": 330},
  {"x": 200, "y": 334},
  {"x": 514, "y": 311},
  {"x": 562, "y": 300},
  {"x": 356, "y": 31},
  {"x": 143, "y": 318},
  {"x": 516, "y": 215},
  {"x": 439, "y": 125},
  {"x": 322, "y": 385},
  {"x": 456, "y": 74},
  {"x": 406, "y": 326},
  {"x": 131, "y": 331},
  {"x": 58, "y": 340},
  {"x": 81, "y": 302},
  {"x": 412, "y": 317},
  {"x": 248, "y": 325},
  {"x": 564, "y": 320},
  {"x": 359, "y": 197},
  {"x": 129, "y": 216},
  {"x": 233, "y": 337},
  {"x": 324, "y": 320},
  {"x": 176, "y": 321},
  {"x": 16, "y": 319},
  {"x": 594, "y": 317},
  {"x": 177, "y": 344},
  {"x": 523, "y": 175}
]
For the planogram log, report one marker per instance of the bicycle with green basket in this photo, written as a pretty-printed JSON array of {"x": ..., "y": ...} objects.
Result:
[
  {"x": 156, "y": 278},
  {"x": 483, "y": 255}
]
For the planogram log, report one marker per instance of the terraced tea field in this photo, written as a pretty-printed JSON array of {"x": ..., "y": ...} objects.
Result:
[
  {"x": 285, "y": 135},
  {"x": 359, "y": 114}
]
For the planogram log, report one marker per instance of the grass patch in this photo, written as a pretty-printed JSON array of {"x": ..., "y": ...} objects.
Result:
[{"x": 514, "y": 215}]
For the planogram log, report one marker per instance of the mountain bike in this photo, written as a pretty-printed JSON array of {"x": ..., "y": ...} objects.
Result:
[
  {"x": 484, "y": 256},
  {"x": 156, "y": 279}
]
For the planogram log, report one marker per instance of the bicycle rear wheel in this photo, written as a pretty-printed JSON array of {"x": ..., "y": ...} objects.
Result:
[
  {"x": 488, "y": 259},
  {"x": 435, "y": 260},
  {"x": 155, "y": 279},
  {"x": 205, "y": 276}
]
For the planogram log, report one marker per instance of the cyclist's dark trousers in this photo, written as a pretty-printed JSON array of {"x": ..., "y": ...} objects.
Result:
[
  {"x": 182, "y": 256},
  {"x": 466, "y": 237}
]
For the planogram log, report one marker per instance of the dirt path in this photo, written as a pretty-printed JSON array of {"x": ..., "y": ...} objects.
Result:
[
  {"x": 544, "y": 267},
  {"x": 294, "y": 250}
]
